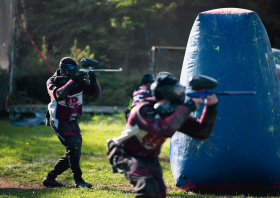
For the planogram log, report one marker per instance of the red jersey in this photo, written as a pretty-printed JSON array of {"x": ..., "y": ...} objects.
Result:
[
  {"x": 66, "y": 100},
  {"x": 146, "y": 130},
  {"x": 139, "y": 94}
]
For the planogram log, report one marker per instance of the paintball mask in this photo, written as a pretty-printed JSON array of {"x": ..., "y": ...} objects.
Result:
[
  {"x": 147, "y": 79},
  {"x": 168, "y": 88},
  {"x": 68, "y": 69}
]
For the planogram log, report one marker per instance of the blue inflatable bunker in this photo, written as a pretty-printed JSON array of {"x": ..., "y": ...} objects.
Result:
[{"x": 243, "y": 151}]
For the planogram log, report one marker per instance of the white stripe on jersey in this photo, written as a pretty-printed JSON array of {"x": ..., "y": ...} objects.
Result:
[
  {"x": 52, "y": 107},
  {"x": 77, "y": 98},
  {"x": 127, "y": 133}
]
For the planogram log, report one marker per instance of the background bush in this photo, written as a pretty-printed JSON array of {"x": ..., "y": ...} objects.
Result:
[{"x": 117, "y": 33}]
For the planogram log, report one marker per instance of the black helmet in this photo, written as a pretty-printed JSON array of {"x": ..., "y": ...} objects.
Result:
[
  {"x": 168, "y": 88},
  {"x": 68, "y": 66},
  {"x": 164, "y": 72},
  {"x": 147, "y": 78}
]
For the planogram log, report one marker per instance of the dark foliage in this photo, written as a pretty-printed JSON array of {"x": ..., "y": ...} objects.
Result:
[{"x": 120, "y": 34}]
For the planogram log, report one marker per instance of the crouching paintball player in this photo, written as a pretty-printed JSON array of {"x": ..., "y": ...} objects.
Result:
[
  {"x": 66, "y": 89},
  {"x": 135, "y": 152}
]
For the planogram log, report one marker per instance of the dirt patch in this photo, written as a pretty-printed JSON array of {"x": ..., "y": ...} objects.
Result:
[{"x": 8, "y": 185}]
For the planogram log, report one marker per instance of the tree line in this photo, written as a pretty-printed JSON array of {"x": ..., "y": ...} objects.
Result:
[{"x": 117, "y": 33}]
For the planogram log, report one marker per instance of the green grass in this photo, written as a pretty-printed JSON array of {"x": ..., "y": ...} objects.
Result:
[{"x": 28, "y": 153}]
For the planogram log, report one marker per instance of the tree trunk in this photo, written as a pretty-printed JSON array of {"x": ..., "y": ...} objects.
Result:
[{"x": 6, "y": 17}]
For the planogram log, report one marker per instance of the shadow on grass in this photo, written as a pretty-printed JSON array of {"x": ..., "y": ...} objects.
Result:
[
  {"x": 25, "y": 192},
  {"x": 108, "y": 188}
]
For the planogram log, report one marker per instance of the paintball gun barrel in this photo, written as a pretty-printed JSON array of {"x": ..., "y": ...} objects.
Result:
[
  {"x": 88, "y": 62},
  {"x": 202, "y": 84}
]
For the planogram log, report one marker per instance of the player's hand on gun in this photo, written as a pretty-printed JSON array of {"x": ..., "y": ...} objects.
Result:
[
  {"x": 78, "y": 79},
  {"x": 91, "y": 76},
  {"x": 194, "y": 103},
  {"x": 211, "y": 100}
]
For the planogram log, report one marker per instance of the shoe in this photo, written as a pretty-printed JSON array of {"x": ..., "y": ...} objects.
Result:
[
  {"x": 82, "y": 183},
  {"x": 51, "y": 183}
]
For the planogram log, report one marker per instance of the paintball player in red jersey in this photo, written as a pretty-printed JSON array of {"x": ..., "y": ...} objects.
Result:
[
  {"x": 66, "y": 89},
  {"x": 141, "y": 92},
  {"x": 135, "y": 152}
]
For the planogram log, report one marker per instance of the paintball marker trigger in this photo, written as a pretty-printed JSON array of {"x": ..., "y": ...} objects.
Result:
[{"x": 87, "y": 62}]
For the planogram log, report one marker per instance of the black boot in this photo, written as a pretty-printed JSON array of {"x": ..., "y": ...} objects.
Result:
[
  {"x": 51, "y": 183},
  {"x": 81, "y": 183}
]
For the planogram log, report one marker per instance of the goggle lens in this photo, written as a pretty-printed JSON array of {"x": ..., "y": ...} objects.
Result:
[{"x": 72, "y": 68}]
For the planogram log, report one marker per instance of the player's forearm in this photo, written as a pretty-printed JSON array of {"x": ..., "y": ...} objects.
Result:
[
  {"x": 172, "y": 123},
  {"x": 209, "y": 115},
  {"x": 62, "y": 92},
  {"x": 91, "y": 89},
  {"x": 200, "y": 129},
  {"x": 207, "y": 122},
  {"x": 96, "y": 89}
]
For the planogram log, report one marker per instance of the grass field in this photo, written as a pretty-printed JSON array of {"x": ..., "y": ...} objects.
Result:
[{"x": 28, "y": 153}]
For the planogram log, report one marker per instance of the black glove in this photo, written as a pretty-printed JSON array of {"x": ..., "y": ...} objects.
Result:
[
  {"x": 78, "y": 79},
  {"x": 112, "y": 150},
  {"x": 191, "y": 104},
  {"x": 92, "y": 76},
  {"x": 61, "y": 80}
]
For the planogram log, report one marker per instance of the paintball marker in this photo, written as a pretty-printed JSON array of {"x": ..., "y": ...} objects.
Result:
[
  {"x": 203, "y": 83},
  {"x": 87, "y": 62}
]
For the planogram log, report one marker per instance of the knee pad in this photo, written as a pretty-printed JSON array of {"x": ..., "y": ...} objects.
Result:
[{"x": 147, "y": 187}]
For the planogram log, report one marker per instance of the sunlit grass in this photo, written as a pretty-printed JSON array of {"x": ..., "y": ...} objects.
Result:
[{"x": 28, "y": 153}]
